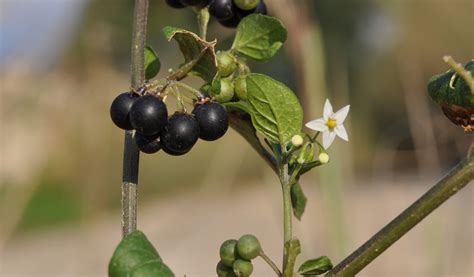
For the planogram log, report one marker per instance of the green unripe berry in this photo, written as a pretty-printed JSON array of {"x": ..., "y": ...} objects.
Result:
[
  {"x": 228, "y": 252},
  {"x": 224, "y": 271},
  {"x": 226, "y": 64},
  {"x": 226, "y": 92},
  {"x": 248, "y": 247},
  {"x": 242, "y": 268},
  {"x": 247, "y": 4},
  {"x": 240, "y": 87}
]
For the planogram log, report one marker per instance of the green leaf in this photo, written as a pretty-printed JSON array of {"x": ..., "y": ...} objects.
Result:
[
  {"x": 298, "y": 200},
  {"x": 276, "y": 111},
  {"x": 195, "y": 49},
  {"x": 259, "y": 37},
  {"x": 315, "y": 266},
  {"x": 135, "y": 256},
  {"x": 447, "y": 89},
  {"x": 242, "y": 106},
  {"x": 152, "y": 63}
]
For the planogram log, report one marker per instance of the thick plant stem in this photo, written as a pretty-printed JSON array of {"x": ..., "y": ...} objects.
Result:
[
  {"x": 131, "y": 155},
  {"x": 287, "y": 208},
  {"x": 454, "y": 181}
]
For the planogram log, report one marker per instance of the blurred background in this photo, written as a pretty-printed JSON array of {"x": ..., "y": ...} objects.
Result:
[{"x": 62, "y": 62}]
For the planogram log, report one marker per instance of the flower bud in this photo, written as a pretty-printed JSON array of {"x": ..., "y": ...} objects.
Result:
[
  {"x": 323, "y": 157},
  {"x": 297, "y": 140}
]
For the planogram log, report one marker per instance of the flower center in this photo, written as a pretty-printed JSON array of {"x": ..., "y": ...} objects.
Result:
[{"x": 331, "y": 123}]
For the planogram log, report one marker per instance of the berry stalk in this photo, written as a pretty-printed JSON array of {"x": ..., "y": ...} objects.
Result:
[{"x": 131, "y": 154}]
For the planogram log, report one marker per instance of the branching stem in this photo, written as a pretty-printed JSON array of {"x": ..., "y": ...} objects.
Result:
[
  {"x": 454, "y": 181},
  {"x": 131, "y": 155}
]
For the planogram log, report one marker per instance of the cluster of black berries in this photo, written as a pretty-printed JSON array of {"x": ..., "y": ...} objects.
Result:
[
  {"x": 176, "y": 135},
  {"x": 227, "y": 12}
]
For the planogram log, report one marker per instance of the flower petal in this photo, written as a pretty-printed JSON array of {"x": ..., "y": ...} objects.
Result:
[
  {"x": 341, "y": 115},
  {"x": 328, "y": 138},
  {"x": 327, "y": 110},
  {"x": 341, "y": 132},
  {"x": 317, "y": 125}
]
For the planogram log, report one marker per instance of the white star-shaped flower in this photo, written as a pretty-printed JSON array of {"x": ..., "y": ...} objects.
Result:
[{"x": 330, "y": 124}]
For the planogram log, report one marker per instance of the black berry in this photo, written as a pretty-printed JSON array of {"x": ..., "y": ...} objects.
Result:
[
  {"x": 148, "y": 144},
  {"x": 120, "y": 110},
  {"x": 232, "y": 22},
  {"x": 175, "y": 4},
  {"x": 213, "y": 120},
  {"x": 148, "y": 115},
  {"x": 180, "y": 134},
  {"x": 200, "y": 3},
  {"x": 222, "y": 9},
  {"x": 261, "y": 8}
]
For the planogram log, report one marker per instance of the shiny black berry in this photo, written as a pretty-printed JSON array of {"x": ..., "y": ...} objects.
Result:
[
  {"x": 180, "y": 134},
  {"x": 213, "y": 120},
  {"x": 221, "y": 9},
  {"x": 120, "y": 110},
  {"x": 261, "y": 8},
  {"x": 200, "y": 3},
  {"x": 148, "y": 144},
  {"x": 149, "y": 115},
  {"x": 175, "y": 4},
  {"x": 232, "y": 22}
]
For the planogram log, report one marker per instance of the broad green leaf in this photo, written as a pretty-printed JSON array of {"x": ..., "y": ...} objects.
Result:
[
  {"x": 192, "y": 47},
  {"x": 135, "y": 256},
  {"x": 259, "y": 37},
  {"x": 276, "y": 111},
  {"x": 315, "y": 266},
  {"x": 298, "y": 200},
  {"x": 447, "y": 89},
  {"x": 152, "y": 63},
  {"x": 242, "y": 106}
]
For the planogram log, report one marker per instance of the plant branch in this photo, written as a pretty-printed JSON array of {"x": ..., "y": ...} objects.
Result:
[
  {"x": 459, "y": 69},
  {"x": 270, "y": 263},
  {"x": 131, "y": 154},
  {"x": 454, "y": 181}
]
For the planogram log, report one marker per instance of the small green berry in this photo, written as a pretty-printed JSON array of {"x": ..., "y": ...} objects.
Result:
[
  {"x": 242, "y": 268},
  {"x": 248, "y": 247},
  {"x": 240, "y": 87},
  {"x": 226, "y": 92},
  {"x": 247, "y": 4},
  {"x": 228, "y": 252},
  {"x": 226, "y": 64},
  {"x": 224, "y": 271}
]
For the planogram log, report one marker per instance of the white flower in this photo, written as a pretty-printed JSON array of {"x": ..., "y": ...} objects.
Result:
[{"x": 330, "y": 124}]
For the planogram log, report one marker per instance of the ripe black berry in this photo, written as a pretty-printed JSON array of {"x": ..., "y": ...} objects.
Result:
[
  {"x": 148, "y": 144},
  {"x": 261, "y": 8},
  {"x": 232, "y": 22},
  {"x": 221, "y": 9},
  {"x": 120, "y": 110},
  {"x": 148, "y": 115},
  {"x": 180, "y": 134},
  {"x": 175, "y": 4},
  {"x": 200, "y": 3},
  {"x": 213, "y": 120}
]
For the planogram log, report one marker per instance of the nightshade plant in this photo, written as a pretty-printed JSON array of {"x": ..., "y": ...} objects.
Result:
[{"x": 263, "y": 111}]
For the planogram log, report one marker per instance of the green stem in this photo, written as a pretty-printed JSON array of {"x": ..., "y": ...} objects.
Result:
[
  {"x": 203, "y": 21},
  {"x": 454, "y": 181},
  {"x": 270, "y": 263},
  {"x": 287, "y": 207},
  {"x": 131, "y": 154},
  {"x": 190, "y": 89}
]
